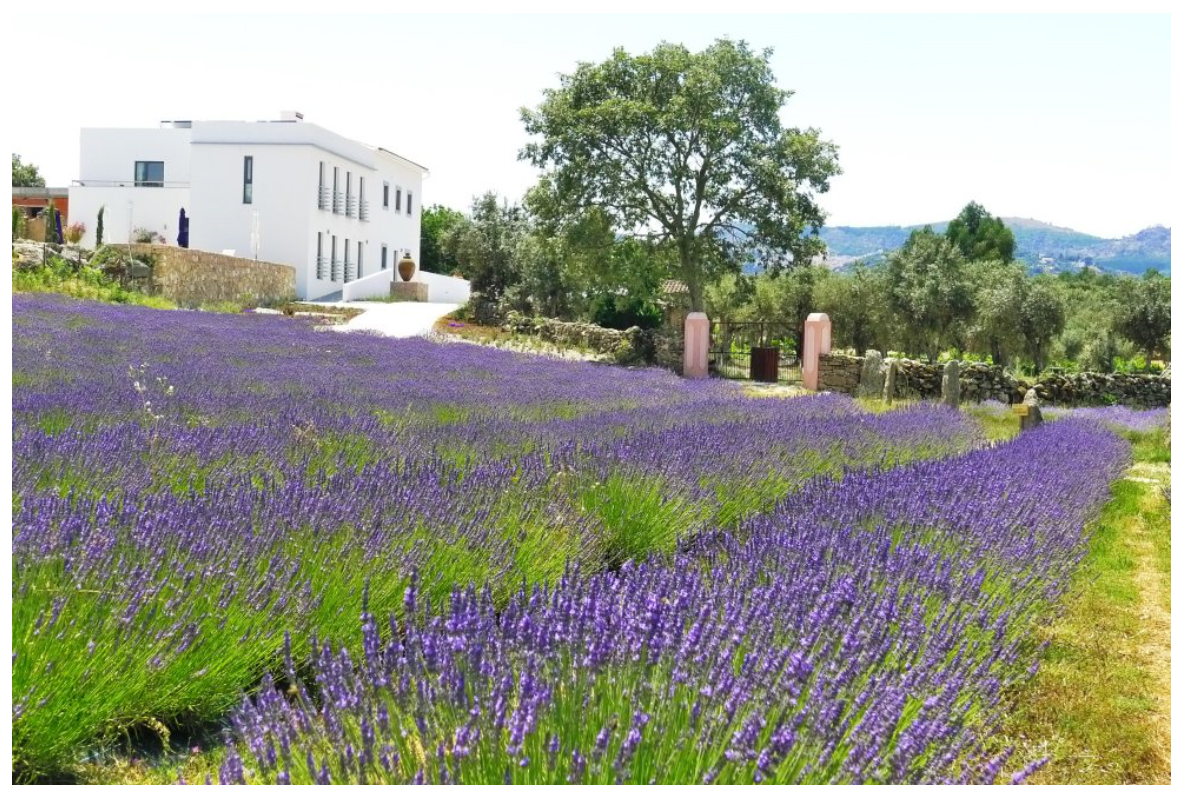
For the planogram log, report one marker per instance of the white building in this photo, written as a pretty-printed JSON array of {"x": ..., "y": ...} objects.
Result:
[{"x": 288, "y": 192}]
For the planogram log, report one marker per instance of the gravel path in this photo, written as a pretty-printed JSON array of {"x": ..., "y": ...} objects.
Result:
[{"x": 393, "y": 319}]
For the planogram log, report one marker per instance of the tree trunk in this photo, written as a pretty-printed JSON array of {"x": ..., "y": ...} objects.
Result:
[
  {"x": 996, "y": 353},
  {"x": 691, "y": 275}
]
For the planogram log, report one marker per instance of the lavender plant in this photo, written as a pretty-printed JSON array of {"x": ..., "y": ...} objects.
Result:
[
  {"x": 161, "y": 553},
  {"x": 865, "y": 631}
]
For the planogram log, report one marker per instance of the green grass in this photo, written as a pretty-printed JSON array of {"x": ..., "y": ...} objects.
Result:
[
  {"x": 996, "y": 427},
  {"x": 1099, "y": 706}
]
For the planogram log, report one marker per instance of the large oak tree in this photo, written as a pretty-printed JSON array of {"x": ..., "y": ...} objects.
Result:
[{"x": 685, "y": 149}]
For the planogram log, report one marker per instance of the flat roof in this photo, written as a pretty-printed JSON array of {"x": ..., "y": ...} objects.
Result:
[{"x": 39, "y": 191}]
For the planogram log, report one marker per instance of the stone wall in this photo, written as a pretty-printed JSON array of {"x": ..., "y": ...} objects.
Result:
[
  {"x": 840, "y": 373},
  {"x": 980, "y": 382},
  {"x": 190, "y": 276},
  {"x": 633, "y": 345}
]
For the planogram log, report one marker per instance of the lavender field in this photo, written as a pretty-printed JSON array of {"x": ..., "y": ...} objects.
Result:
[{"x": 364, "y": 560}]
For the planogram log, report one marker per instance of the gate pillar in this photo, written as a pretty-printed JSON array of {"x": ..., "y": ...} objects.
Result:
[
  {"x": 818, "y": 335},
  {"x": 697, "y": 345}
]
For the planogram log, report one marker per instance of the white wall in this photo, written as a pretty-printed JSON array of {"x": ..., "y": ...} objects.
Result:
[
  {"x": 370, "y": 286},
  {"x": 109, "y": 154},
  {"x": 157, "y": 209},
  {"x": 283, "y": 196},
  {"x": 444, "y": 288},
  {"x": 107, "y": 179}
]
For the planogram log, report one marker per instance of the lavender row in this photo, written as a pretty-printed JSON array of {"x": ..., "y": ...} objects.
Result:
[
  {"x": 865, "y": 631},
  {"x": 187, "y": 487}
]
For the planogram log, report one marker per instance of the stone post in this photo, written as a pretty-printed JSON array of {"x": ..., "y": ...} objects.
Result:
[
  {"x": 950, "y": 386},
  {"x": 1029, "y": 412},
  {"x": 871, "y": 383},
  {"x": 697, "y": 346},
  {"x": 888, "y": 384},
  {"x": 818, "y": 334}
]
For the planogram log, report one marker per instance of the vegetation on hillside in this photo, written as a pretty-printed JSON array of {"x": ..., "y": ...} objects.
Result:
[{"x": 1033, "y": 240}]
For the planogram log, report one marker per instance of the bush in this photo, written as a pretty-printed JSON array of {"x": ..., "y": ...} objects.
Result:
[
  {"x": 622, "y": 312},
  {"x": 75, "y": 232},
  {"x": 143, "y": 235},
  {"x": 19, "y": 224}
]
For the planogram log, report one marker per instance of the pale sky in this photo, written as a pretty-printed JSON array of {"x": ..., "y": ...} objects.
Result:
[{"x": 1065, "y": 119}]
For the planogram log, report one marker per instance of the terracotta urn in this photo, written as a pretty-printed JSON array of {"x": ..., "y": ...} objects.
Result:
[{"x": 406, "y": 268}]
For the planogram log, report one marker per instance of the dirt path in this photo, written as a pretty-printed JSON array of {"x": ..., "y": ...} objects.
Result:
[{"x": 1153, "y": 638}]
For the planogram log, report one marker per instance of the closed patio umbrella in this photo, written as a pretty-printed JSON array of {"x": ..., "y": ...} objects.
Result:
[{"x": 182, "y": 236}]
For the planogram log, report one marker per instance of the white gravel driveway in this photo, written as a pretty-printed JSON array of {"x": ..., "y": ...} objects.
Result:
[{"x": 393, "y": 319}]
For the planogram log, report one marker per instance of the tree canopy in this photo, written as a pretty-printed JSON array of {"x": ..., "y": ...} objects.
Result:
[
  {"x": 25, "y": 174},
  {"x": 436, "y": 222},
  {"x": 980, "y": 236},
  {"x": 930, "y": 290},
  {"x": 1144, "y": 315},
  {"x": 685, "y": 149}
]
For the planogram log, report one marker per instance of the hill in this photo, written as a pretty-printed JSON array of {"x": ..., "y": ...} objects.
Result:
[{"x": 1039, "y": 244}]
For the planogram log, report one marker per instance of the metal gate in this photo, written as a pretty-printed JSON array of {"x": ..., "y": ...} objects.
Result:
[{"x": 754, "y": 350}]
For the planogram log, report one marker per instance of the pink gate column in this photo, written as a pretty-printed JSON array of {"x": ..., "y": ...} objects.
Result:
[
  {"x": 697, "y": 345},
  {"x": 818, "y": 335}
]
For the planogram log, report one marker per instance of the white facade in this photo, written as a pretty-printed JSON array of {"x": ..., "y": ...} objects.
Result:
[{"x": 288, "y": 192}]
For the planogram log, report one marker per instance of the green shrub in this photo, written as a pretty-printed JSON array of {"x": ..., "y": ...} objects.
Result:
[
  {"x": 622, "y": 312},
  {"x": 98, "y": 230}
]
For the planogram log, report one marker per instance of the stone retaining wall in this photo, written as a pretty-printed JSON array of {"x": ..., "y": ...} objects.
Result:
[
  {"x": 840, "y": 373},
  {"x": 980, "y": 382},
  {"x": 656, "y": 347},
  {"x": 190, "y": 276}
]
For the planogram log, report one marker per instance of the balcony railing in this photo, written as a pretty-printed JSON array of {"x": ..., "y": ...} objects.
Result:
[
  {"x": 322, "y": 198},
  {"x": 130, "y": 184},
  {"x": 351, "y": 206},
  {"x": 350, "y": 271},
  {"x": 321, "y": 267},
  {"x": 365, "y": 210},
  {"x": 336, "y": 270},
  {"x": 338, "y": 202}
]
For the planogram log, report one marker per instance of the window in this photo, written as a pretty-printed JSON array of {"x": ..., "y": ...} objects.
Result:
[
  {"x": 332, "y": 275},
  {"x": 360, "y": 259},
  {"x": 248, "y": 180},
  {"x": 398, "y": 199},
  {"x": 336, "y": 192},
  {"x": 385, "y": 196},
  {"x": 409, "y": 199},
  {"x": 149, "y": 173},
  {"x": 383, "y": 257},
  {"x": 348, "y": 264},
  {"x": 322, "y": 191},
  {"x": 319, "y": 256}
]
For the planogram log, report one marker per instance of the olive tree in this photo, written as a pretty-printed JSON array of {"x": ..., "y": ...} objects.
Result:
[{"x": 1143, "y": 315}]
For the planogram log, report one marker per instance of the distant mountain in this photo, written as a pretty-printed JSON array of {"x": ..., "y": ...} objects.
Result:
[{"x": 1041, "y": 245}]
